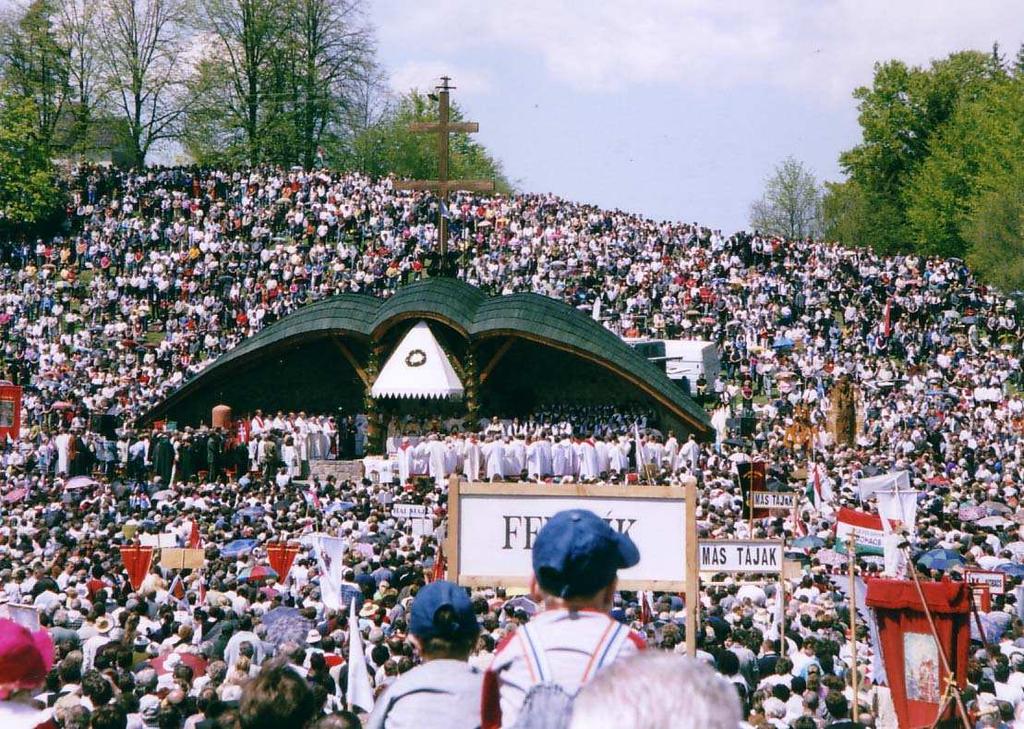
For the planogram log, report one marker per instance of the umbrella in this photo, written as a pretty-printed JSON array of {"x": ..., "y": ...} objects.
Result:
[
  {"x": 80, "y": 482},
  {"x": 259, "y": 572},
  {"x": 286, "y": 625},
  {"x": 163, "y": 495},
  {"x": 808, "y": 542},
  {"x": 522, "y": 602},
  {"x": 941, "y": 559},
  {"x": 1018, "y": 517},
  {"x": 237, "y": 547},
  {"x": 1012, "y": 569},
  {"x": 1015, "y": 548},
  {"x": 993, "y": 521},
  {"x": 993, "y": 507},
  {"x": 197, "y": 664},
  {"x": 16, "y": 495}
]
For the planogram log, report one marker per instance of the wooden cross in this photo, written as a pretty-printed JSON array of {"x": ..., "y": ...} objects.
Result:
[{"x": 442, "y": 185}]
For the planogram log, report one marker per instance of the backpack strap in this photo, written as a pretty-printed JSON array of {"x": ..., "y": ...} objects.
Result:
[
  {"x": 536, "y": 658},
  {"x": 607, "y": 649}
]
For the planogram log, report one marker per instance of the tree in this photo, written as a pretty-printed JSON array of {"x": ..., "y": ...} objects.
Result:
[
  {"x": 791, "y": 204},
  {"x": 78, "y": 30},
  {"x": 35, "y": 64},
  {"x": 28, "y": 190},
  {"x": 232, "y": 85},
  {"x": 390, "y": 148},
  {"x": 899, "y": 115},
  {"x": 995, "y": 231},
  {"x": 141, "y": 51}
]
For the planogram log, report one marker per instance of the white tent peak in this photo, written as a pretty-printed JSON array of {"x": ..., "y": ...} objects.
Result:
[{"x": 418, "y": 367}]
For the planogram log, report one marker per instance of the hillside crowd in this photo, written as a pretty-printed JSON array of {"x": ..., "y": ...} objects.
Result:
[{"x": 159, "y": 272}]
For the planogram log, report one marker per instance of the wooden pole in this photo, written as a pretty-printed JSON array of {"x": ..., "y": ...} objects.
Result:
[
  {"x": 692, "y": 566},
  {"x": 851, "y": 562}
]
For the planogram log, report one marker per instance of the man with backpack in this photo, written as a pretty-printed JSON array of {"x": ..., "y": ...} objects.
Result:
[{"x": 538, "y": 670}]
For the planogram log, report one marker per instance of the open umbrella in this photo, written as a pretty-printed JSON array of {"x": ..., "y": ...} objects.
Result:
[
  {"x": 941, "y": 559},
  {"x": 1012, "y": 569},
  {"x": 16, "y": 495},
  {"x": 1018, "y": 517},
  {"x": 1016, "y": 549},
  {"x": 994, "y": 507},
  {"x": 286, "y": 625},
  {"x": 80, "y": 482},
  {"x": 993, "y": 521},
  {"x": 808, "y": 542},
  {"x": 238, "y": 547},
  {"x": 259, "y": 572}
]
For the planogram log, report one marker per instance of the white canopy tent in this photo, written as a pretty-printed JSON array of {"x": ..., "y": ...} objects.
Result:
[{"x": 418, "y": 367}]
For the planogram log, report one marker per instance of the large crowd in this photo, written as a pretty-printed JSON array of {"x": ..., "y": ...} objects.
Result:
[{"x": 159, "y": 272}]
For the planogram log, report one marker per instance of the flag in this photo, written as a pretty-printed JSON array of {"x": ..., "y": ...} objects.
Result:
[
  {"x": 177, "y": 590},
  {"x": 330, "y": 556},
  {"x": 437, "y": 573},
  {"x": 898, "y": 506},
  {"x": 888, "y": 317},
  {"x": 885, "y": 482},
  {"x": 646, "y": 608},
  {"x": 639, "y": 445},
  {"x": 866, "y": 529},
  {"x": 136, "y": 563},
  {"x": 359, "y": 693},
  {"x": 281, "y": 556},
  {"x": 195, "y": 539},
  {"x": 814, "y": 490}
]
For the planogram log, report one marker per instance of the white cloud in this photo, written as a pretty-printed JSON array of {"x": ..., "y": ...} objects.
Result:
[
  {"x": 425, "y": 75},
  {"x": 822, "y": 48}
]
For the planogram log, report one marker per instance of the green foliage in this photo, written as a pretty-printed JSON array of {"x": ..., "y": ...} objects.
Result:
[
  {"x": 791, "y": 204},
  {"x": 390, "y": 148},
  {"x": 28, "y": 189},
  {"x": 900, "y": 114},
  {"x": 995, "y": 231}
]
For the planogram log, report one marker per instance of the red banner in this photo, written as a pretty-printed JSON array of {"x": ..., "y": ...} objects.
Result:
[
  {"x": 281, "y": 555},
  {"x": 913, "y": 666},
  {"x": 137, "y": 561},
  {"x": 10, "y": 411}
]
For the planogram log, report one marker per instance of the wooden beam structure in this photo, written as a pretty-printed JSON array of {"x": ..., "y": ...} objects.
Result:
[{"x": 496, "y": 358}]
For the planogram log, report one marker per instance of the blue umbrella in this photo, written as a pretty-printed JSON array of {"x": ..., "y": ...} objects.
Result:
[
  {"x": 941, "y": 559},
  {"x": 238, "y": 547},
  {"x": 808, "y": 542},
  {"x": 286, "y": 625},
  {"x": 1012, "y": 569}
]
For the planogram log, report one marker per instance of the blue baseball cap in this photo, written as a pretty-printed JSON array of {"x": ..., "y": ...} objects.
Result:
[
  {"x": 576, "y": 554},
  {"x": 426, "y": 620}
]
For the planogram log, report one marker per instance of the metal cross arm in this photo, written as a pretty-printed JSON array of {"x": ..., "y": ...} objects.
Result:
[
  {"x": 451, "y": 127},
  {"x": 447, "y": 186}
]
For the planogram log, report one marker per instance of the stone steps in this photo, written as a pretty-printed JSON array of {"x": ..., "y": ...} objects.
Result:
[{"x": 341, "y": 470}]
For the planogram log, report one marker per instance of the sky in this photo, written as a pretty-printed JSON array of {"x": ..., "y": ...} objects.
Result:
[{"x": 675, "y": 109}]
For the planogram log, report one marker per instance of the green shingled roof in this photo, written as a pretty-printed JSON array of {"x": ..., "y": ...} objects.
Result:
[{"x": 470, "y": 312}]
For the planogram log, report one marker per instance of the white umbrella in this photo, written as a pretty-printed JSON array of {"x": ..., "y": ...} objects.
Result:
[
  {"x": 993, "y": 521},
  {"x": 80, "y": 482}
]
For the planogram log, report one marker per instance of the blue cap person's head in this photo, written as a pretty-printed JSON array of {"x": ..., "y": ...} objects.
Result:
[
  {"x": 443, "y": 621},
  {"x": 576, "y": 554}
]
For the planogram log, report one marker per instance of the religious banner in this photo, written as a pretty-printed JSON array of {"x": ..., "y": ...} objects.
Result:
[
  {"x": 330, "y": 558},
  {"x": 913, "y": 665},
  {"x": 492, "y": 527},
  {"x": 751, "y": 476},
  {"x": 865, "y": 528},
  {"x": 136, "y": 561},
  {"x": 281, "y": 556},
  {"x": 10, "y": 411}
]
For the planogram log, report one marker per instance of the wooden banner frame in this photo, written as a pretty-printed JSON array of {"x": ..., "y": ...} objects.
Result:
[{"x": 686, "y": 493}]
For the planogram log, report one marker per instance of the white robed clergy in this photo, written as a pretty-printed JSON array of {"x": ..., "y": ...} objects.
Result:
[
  {"x": 619, "y": 455},
  {"x": 404, "y": 455},
  {"x": 562, "y": 457},
  {"x": 589, "y": 468},
  {"x": 433, "y": 451},
  {"x": 472, "y": 458},
  {"x": 494, "y": 458}
]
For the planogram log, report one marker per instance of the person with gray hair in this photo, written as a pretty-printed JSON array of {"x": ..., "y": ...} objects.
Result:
[{"x": 655, "y": 690}]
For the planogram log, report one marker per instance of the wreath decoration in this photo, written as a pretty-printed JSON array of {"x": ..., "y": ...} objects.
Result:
[{"x": 416, "y": 358}]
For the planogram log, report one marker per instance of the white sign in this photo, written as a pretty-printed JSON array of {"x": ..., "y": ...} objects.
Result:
[
  {"x": 996, "y": 581},
  {"x": 409, "y": 511},
  {"x": 492, "y": 529},
  {"x": 158, "y": 541},
  {"x": 773, "y": 499},
  {"x": 723, "y": 555}
]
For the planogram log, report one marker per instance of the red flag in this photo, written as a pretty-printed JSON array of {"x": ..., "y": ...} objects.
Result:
[
  {"x": 888, "y": 317},
  {"x": 136, "y": 563},
  {"x": 281, "y": 557},
  {"x": 195, "y": 539},
  {"x": 439, "y": 565},
  {"x": 177, "y": 589},
  {"x": 202, "y": 590},
  {"x": 646, "y": 610}
]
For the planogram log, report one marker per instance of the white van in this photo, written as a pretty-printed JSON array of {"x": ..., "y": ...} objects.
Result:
[{"x": 681, "y": 359}]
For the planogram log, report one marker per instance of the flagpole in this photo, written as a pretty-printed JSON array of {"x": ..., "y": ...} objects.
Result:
[{"x": 851, "y": 561}]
